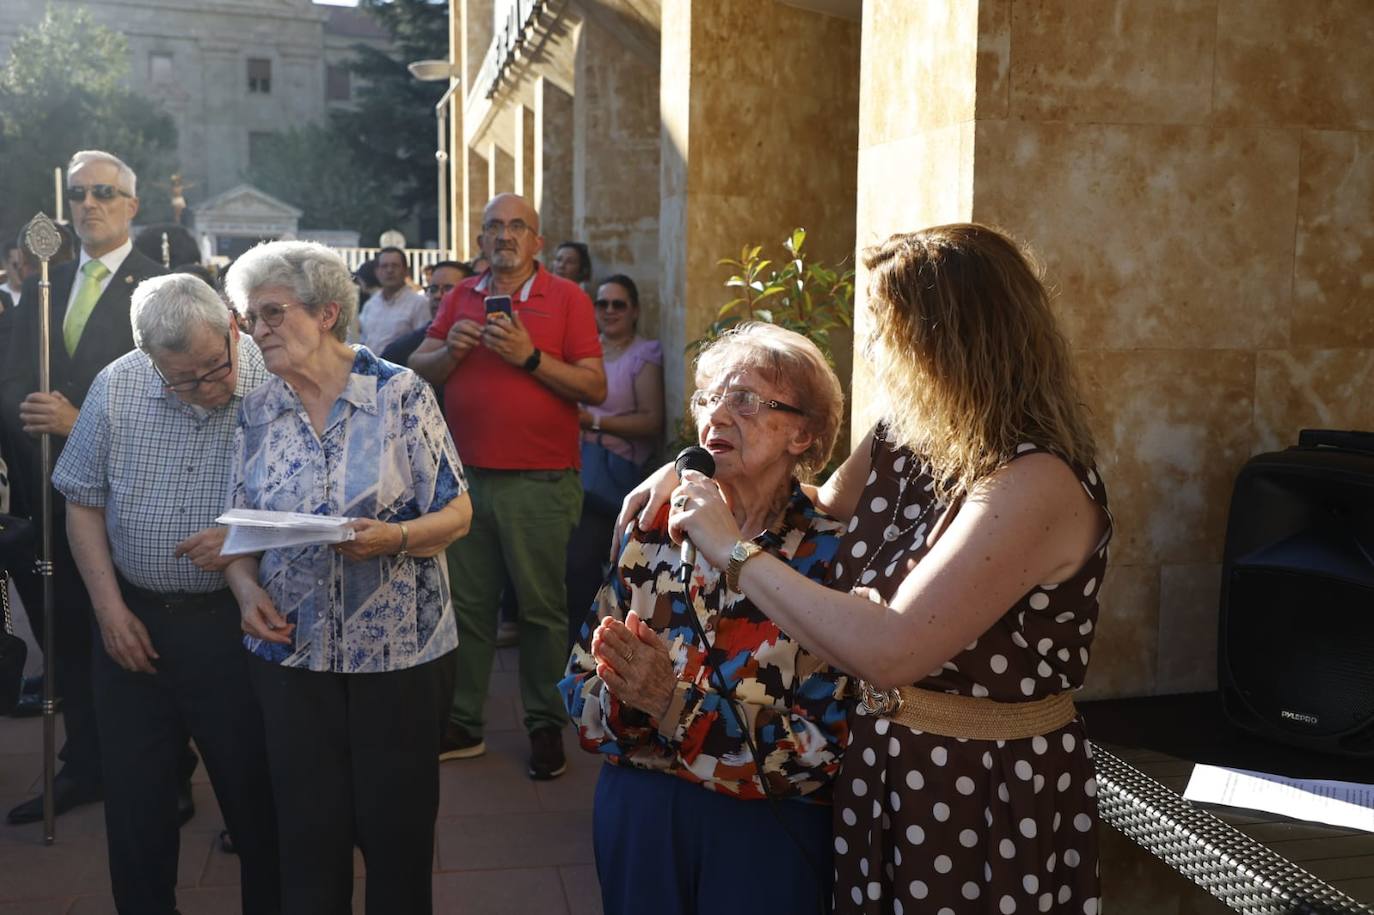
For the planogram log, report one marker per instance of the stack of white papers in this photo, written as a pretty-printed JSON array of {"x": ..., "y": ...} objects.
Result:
[
  {"x": 1348, "y": 804},
  {"x": 252, "y": 531}
]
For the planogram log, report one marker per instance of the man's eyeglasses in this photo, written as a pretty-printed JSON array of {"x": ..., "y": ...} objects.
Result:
[
  {"x": 740, "y": 403},
  {"x": 76, "y": 193},
  {"x": 218, "y": 373},
  {"x": 495, "y": 228},
  {"x": 440, "y": 290},
  {"x": 270, "y": 313},
  {"x": 612, "y": 304}
]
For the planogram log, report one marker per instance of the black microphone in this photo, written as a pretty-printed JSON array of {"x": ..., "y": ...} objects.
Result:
[{"x": 693, "y": 457}]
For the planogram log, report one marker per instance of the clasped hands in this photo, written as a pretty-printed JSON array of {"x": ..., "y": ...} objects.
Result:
[
  {"x": 634, "y": 664},
  {"x": 504, "y": 335}
]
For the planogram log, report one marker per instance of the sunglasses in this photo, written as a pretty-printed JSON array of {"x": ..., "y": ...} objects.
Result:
[
  {"x": 77, "y": 193},
  {"x": 269, "y": 313},
  {"x": 612, "y": 304}
]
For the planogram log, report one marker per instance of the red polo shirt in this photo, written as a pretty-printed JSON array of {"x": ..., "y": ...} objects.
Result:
[{"x": 502, "y": 417}]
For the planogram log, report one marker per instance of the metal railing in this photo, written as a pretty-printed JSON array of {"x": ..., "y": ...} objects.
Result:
[
  {"x": 512, "y": 22},
  {"x": 419, "y": 258}
]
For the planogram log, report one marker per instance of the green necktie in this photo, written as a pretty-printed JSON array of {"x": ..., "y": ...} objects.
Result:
[{"x": 75, "y": 322}]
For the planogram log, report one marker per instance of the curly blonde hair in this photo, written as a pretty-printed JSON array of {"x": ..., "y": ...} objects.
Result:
[{"x": 970, "y": 360}]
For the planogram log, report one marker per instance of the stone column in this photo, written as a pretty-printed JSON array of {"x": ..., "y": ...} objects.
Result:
[
  {"x": 524, "y": 151},
  {"x": 500, "y": 171},
  {"x": 758, "y": 138},
  {"x": 615, "y": 161},
  {"x": 1198, "y": 181},
  {"x": 553, "y": 160},
  {"x": 476, "y": 196}
]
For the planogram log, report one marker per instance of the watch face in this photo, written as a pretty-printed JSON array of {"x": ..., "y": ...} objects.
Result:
[{"x": 740, "y": 551}]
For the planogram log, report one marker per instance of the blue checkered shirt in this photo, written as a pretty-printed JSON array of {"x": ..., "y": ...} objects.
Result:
[
  {"x": 159, "y": 467},
  {"x": 385, "y": 453}
]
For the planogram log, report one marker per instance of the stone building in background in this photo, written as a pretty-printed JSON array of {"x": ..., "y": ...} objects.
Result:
[
  {"x": 1197, "y": 177},
  {"x": 229, "y": 72}
]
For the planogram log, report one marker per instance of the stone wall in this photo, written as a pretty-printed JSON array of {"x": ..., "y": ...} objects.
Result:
[
  {"x": 759, "y": 104},
  {"x": 1197, "y": 177}
]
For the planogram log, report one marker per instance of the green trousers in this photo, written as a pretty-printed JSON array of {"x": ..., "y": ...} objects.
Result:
[{"x": 521, "y": 522}]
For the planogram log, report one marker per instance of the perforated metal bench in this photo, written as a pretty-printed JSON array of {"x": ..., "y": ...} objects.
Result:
[{"x": 1236, "y": 869}]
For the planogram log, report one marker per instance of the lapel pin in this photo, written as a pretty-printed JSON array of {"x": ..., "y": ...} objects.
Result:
[{"x": 128, "y": 280}]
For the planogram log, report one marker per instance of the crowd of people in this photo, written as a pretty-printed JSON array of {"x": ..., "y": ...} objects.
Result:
[{"x": 862, "y": 678}]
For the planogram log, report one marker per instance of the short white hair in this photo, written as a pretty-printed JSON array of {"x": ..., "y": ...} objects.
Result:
[
  {"x": 315, "y": 274},
  {"x": 167, "y": 310},
  {"x": 128, "y": 181}
]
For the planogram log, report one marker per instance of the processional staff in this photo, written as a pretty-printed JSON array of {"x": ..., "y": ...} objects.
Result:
[{"x": 42, "y": 240}]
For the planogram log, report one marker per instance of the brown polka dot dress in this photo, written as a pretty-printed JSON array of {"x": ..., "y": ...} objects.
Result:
[{"x": 942, "y": 825}]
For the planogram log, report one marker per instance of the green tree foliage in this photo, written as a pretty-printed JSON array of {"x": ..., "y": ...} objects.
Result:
[
  {"x": 391, "y": 131},
  {"x": 62, "y": 90},
  {"x": 314, "y": 168}
]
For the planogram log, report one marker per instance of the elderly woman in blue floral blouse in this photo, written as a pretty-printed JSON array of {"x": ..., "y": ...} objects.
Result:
[
  {"x": 702, "y": 809},
  {"x": 353, "y": 644}
]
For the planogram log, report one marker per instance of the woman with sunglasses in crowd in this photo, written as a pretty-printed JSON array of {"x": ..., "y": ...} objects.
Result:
[{"x": 627, "y": 424}]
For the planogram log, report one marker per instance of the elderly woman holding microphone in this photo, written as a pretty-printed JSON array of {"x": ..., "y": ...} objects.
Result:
[
  {"x": 721, "y": 733},
  {"x": 352, "y": 644}
]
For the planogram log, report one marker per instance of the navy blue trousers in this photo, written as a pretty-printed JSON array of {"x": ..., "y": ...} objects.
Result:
[{"x": 667, "y": 846}]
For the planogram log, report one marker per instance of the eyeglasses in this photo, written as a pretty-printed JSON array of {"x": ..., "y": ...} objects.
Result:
[
  {"x": 612, "y": 304},
  {"x": 739, "y": 402},
  {"x": 445, "y": 289},
  {"x": 218, "y": 373},
  {"x": 76, "y": 193},
  {"x": 496, "y": 228},
  {"x": 271, "y": 313}
]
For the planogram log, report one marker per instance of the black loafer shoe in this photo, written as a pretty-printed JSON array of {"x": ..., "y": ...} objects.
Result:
[
  {"x": 67, "y": 793},
  {"x": 186, "y": 804}
]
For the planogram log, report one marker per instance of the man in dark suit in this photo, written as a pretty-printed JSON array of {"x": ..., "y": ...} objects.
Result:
[{"x": 89, "y": 329}]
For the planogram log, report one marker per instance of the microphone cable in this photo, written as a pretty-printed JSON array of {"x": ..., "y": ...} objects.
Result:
[{"x": 727, "y": 692}]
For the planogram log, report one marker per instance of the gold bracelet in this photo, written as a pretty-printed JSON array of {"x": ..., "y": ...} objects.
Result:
[{"x": 405, "y": 540}]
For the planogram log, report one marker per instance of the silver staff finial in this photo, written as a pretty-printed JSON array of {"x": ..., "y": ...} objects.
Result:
[
  {"x": 166, "y": 252},
  {"x": 41, "y": 238}
]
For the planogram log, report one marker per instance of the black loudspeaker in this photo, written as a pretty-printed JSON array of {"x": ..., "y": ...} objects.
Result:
[{"x": 1296, "y": 648}]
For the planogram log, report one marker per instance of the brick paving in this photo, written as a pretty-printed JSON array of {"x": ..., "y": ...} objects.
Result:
[{"x": 504, "y": 844}]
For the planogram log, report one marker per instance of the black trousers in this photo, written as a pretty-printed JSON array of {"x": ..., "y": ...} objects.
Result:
[
  {"x": 355, "y": 761},
  {"x": 70, "y": 667},
  {"x": 201, "y": 688},
  {"x": 588, "y": 549}
]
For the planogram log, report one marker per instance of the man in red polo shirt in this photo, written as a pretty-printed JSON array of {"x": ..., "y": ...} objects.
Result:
[{"x": 511, "y": 388}]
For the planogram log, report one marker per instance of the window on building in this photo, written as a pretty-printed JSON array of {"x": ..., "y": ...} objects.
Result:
[
  {"x": 259, "y": 144},
  {"x": 337, "y": 84},
  {"x": 159, "y": 67},
  {"x": 259, "y": 75}
]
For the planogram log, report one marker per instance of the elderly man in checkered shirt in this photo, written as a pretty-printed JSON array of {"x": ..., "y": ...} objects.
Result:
[{"x": 145, "y": 472}]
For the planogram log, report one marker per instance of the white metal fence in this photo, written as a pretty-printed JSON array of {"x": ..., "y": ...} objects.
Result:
[{"x": 419, "y": 258}]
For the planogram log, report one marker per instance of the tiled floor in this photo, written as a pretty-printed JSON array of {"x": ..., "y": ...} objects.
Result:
[{"x": 505, "y": 844}]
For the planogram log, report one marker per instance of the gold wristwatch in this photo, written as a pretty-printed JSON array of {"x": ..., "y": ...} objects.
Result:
[{"x": 740, "y": 553}]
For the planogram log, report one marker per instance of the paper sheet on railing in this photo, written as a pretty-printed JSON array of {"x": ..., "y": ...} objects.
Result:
[
  {"x": 252, "y": 530},
  {"x": 1348, "y": 804}
]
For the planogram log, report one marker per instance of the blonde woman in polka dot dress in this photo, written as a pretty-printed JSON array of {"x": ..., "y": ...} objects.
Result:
[{"x": 976, "y": 544}]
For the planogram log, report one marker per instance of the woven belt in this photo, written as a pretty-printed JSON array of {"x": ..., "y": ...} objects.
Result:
[{"x": 950, "y": 715}]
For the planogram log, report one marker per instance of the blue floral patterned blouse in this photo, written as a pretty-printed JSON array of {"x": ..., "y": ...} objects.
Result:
[{"x": 385, "y": 454}]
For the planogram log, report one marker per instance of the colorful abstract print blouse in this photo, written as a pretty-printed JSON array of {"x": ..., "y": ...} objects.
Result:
[
  {"x": 792, "y": 701},
  {"x": 385, "y": 454}
]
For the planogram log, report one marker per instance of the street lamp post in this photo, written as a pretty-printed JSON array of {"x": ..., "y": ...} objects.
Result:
[{"x": 432, "y": 71}]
